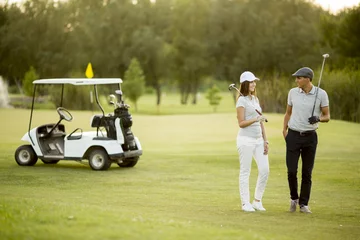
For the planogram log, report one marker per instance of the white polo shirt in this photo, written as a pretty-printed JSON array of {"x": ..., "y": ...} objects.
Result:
[
  {"x": 302, "y": 105},
  {"x": 250, "y": 104}
]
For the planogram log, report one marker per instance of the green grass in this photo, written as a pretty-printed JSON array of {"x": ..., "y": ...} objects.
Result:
[
  {"x": 184, "y": 187},
  {"x": 170, "y": 104}
]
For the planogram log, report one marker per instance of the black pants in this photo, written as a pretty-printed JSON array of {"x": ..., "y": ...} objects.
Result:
[{"x": 303, "y": 144}]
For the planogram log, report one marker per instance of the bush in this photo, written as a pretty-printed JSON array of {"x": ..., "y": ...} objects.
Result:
[
  {"x": 75, "y": 97},
  {"x": 134, "y": 83},
  {"x": 29, "y": 77},
  {"x": 343, "y": 88},
  {"x": 213, "y": 95}
]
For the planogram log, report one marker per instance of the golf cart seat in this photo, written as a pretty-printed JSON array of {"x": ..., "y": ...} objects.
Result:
[
  {"x": 98, "y": 121},
  {"x": 106, "y": 122},
  {"x": 43, "y": 131}
]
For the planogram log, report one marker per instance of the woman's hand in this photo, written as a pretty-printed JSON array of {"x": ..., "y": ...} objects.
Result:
[
  {"x": 260, "y": 118},
  {"x": 266, "y": 147}
]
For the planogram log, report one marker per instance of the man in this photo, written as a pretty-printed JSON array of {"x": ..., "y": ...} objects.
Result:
[{"x": 300, "y": 133}]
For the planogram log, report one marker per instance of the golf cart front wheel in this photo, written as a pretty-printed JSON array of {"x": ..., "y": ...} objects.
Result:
[
  {"x": 25, "y": 156},
  {"x": 99, "y": 160},
  {"x": 130, "y": 162}
]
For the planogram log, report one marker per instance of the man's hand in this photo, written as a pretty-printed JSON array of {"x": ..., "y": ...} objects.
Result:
[
  {"x": 314, "y": 119},
  {"x": 285, "y": 133}
]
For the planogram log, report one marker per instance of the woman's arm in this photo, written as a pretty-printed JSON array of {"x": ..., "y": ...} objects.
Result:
[
  {"x": 241, "y": 118},
  {"x": 266, "y": 143}
]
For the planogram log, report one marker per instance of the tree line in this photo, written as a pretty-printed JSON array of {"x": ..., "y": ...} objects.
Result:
[{"x": 178, "y": 42}]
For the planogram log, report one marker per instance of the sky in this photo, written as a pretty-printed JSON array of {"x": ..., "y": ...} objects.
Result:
[{"x": 333, "y": 5}]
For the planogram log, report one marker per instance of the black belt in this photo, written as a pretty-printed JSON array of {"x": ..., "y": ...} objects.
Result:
[{"x": 303, "y": 133}]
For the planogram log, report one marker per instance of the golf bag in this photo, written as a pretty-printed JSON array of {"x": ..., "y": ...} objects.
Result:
[
  {"x": 125, "y": 123},
  {"x": 108, "y": 122}
]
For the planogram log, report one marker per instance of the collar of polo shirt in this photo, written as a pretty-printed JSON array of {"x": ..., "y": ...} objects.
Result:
[{"x": 312, "y": 91}]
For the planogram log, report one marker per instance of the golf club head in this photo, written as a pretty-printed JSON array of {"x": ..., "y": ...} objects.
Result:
[
  {"x": 231, "y": 86},
  {"x": 112, "y": 98},
  {"x": 326, "y": 55},
  {"x": 119, "y": 92}
]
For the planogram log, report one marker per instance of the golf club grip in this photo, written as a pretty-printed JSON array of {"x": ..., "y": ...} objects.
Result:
[{"x": 260, "y": 114}]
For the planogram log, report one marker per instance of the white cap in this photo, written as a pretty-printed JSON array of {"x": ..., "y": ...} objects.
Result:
[{"x": 247, "y": 76}]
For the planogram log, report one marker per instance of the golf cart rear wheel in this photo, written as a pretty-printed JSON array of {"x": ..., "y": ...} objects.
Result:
[
  {"x": 25, "y": 156},
  {"x": 99, "y": 160},
  {"x": 130, "y": 162},
  {"x": 50, "y": 161}
]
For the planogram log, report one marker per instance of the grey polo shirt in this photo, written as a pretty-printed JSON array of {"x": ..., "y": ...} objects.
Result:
[
  {"x": 249, "y": 105},
  {"x": 302, "y": 105}
]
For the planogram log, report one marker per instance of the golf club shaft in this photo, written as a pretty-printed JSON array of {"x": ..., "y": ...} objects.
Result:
[
  {"x": 258, "y": 112},
  {"x": 317, "y": 90}
]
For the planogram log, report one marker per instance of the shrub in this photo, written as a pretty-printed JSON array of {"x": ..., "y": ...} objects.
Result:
[
  {"x": 29, "y": 77},
  {"x": 213, "y": 95}
]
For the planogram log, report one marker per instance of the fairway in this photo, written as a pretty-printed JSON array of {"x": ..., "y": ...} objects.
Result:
[{"x": 185, "y": 185}]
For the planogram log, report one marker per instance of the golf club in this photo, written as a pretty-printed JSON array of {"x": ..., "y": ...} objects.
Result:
[
  {"x": 325, "y": 56},
  {"x": 113, "y": 100},
  {"x": 232, "y": 86}
]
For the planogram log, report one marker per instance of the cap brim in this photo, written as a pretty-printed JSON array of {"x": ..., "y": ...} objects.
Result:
[{"x": 255, "y": 79}]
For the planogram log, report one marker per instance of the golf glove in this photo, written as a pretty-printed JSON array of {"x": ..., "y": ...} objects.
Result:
[
  {"x": 314, "y": 119},
  {"x": 261, "y": 118}
]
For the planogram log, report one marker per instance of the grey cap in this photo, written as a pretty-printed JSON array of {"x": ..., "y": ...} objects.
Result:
[{"x": 304, "y": 72}]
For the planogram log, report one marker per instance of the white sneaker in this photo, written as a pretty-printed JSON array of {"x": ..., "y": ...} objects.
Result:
[
  {"x": 305, "y": 209},
  {"x": 258, "y": 206},
  {"x": 247, "y": 208},
  {"x": 293, "y": 204}
]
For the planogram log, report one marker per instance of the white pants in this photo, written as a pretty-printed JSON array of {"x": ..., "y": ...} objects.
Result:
[{"x": 248, "y": 148}]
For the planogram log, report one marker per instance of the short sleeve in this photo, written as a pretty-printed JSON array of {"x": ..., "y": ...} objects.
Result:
[
  {"x": 289, "y": 101},
  {"x": 240, "y": 102},
  {"x": 324, "y": 101}
]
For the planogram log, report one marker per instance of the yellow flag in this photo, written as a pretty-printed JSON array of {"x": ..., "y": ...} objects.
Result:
[{"x": 89, "y": 72}]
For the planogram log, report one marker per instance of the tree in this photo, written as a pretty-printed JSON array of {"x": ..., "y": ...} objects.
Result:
[
  {"x": 190, "y": 46},
  {"x": 150, "y": 49},
  {"x": 213, "y": 95},
  {"x": 342, "y": 33},
  {"x": 29, "y": 77},
  {"x": 134, "y": 82}
]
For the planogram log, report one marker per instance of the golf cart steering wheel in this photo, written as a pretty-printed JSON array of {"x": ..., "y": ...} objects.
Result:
[{"x": 64, "y": 114}]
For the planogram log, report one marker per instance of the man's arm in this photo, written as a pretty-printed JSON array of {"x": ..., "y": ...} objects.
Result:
[
  {"x": 286, "y": 119},
  {"x": 325, "y": 114}
]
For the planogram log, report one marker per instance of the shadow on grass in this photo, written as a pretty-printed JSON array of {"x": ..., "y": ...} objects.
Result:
[{"x": 76, "y": 165}]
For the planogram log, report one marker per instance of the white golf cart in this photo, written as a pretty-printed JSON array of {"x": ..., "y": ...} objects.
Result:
[{"x": 113, "y": 140}]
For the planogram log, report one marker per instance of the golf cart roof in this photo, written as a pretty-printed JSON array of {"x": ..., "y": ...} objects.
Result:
[{"x": 79, "y": 81}]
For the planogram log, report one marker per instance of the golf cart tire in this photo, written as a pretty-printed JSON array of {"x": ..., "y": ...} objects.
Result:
[
  {"x": 50, "y": 161},
  {"x": 99, "y": 160},
  {"x": 25, "y": 156},
  {"x": 130, "y": 162}
]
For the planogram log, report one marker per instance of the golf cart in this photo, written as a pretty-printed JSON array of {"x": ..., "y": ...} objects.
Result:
[{"x": 111, "y": 141}]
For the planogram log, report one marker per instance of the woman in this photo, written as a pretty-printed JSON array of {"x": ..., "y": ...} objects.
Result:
[{"x": 251, "y": 142}]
